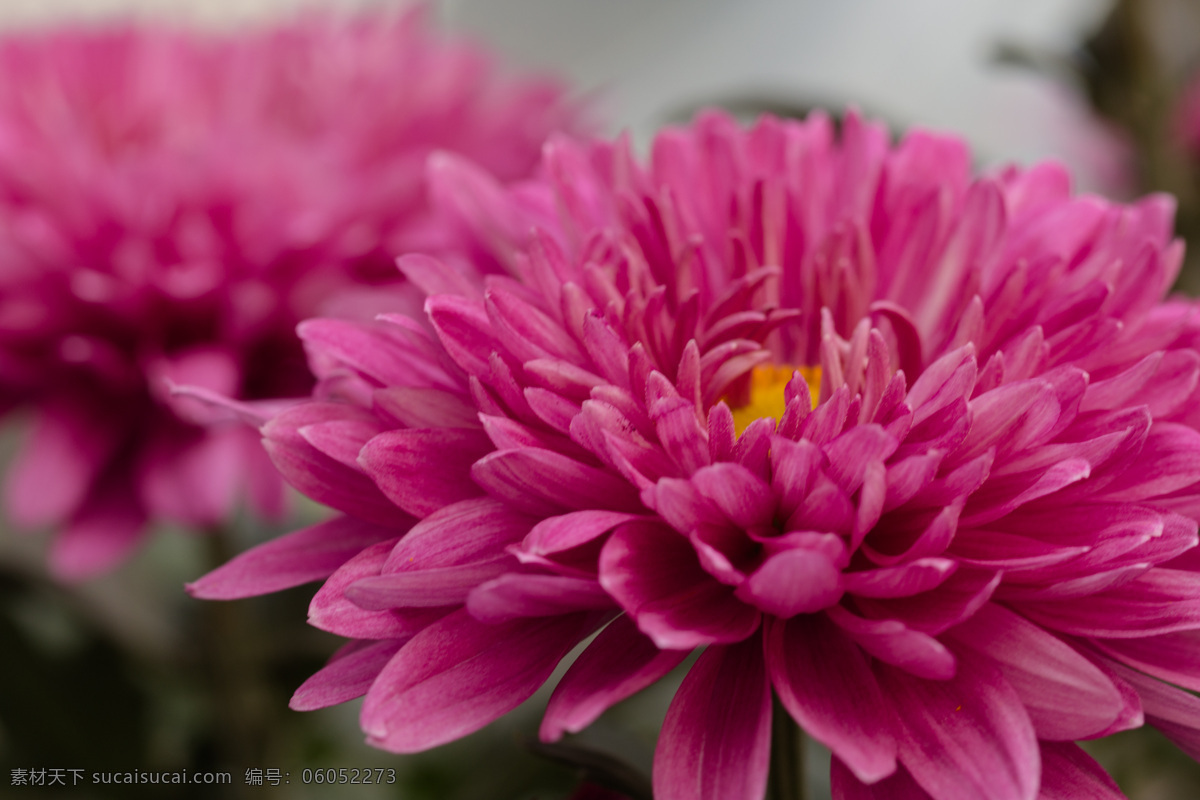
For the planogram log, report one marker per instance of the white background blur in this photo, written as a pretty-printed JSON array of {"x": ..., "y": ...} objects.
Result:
[{"x": 918, "y": 62}]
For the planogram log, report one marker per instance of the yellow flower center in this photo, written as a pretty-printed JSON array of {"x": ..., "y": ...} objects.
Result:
[{"x": 767, "y": 383}]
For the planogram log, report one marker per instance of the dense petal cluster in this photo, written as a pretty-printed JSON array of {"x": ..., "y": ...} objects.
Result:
[
  {"x": 172, "y": 204},
  {"x": 914, "y": 450}
]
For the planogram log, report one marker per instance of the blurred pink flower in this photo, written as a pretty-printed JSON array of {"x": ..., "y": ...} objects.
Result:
[
  {"x": 1186, "y": 122},
  {"x": 171, "y": 205},
  {"x": 915, "y": 450}
]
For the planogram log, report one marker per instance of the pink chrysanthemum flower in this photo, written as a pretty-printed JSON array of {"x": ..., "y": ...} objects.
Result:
[
  {"x": 171, "y": 205},
  {"x": 917, "y": 452}
]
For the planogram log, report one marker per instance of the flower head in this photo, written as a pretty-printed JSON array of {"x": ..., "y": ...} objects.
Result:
[
  {"x": 914, "y": 450},
  {"x": 173, "y": 204}
]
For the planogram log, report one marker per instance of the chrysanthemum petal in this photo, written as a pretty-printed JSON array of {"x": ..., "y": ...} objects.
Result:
[
  {"x": 825, "y": 683},
  {"x": 342, "y": 439},
  {"x": 793, "y": 581},
  {"x": 464, "y": 191},
  {"x": 620, "y": 662},
  {"x": 949, "y": 378},
  {"x": 514, "y": 595},
  {"x": 422, "y": 407},
  {"x": 305, "y": 555},
  {"x": 422, "y": 588},
  {"x": 715, "y": 741},
  {"x": 902, "y": 580},
  {"x": 743, "y": 497},
  {"x": 898, "y": 786},
  {"x": 850, "y": 453},
  {"x": 349, "y": 674},
  {"x": 892, "y": 642},
  {"x": 462, "y": 327},
  {"x": 571, "y": 530},
  {"x": 965, "y": 737},
  {"x": 537, "y": 480},
  {"x": 459, "y": 674},
  {"x": 653, "y": 573},
  {"x": 321, "y": 477},
  {"x": 466, "y": 532},
  {"x": 1003, "y": 495},
  {"x": 956, "y": 599},
  {"x": 332, "y": 611},
  {"x": 1173, "y": 657},
  {"x": 1172, "y": 460},
  {"x": 375, "y": 352},
  {"x": 1068, "y": 773},
  {"x": 1066, "y": 697},
  {"x": 1173, "y": 711},
  {"x": 1160, "y": 601},
  {"x": 423, "y": 470}
]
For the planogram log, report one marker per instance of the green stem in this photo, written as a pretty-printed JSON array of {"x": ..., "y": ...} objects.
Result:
[
  {"x": 600, "y": 768},
  {"x": 233, "y": 658},
  {"x": 786, "y": 778}
]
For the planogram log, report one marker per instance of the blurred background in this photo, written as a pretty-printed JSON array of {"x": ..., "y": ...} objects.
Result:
[
  {"x": 927, "y": 62},
  {"x": 127, "y": 672}
]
